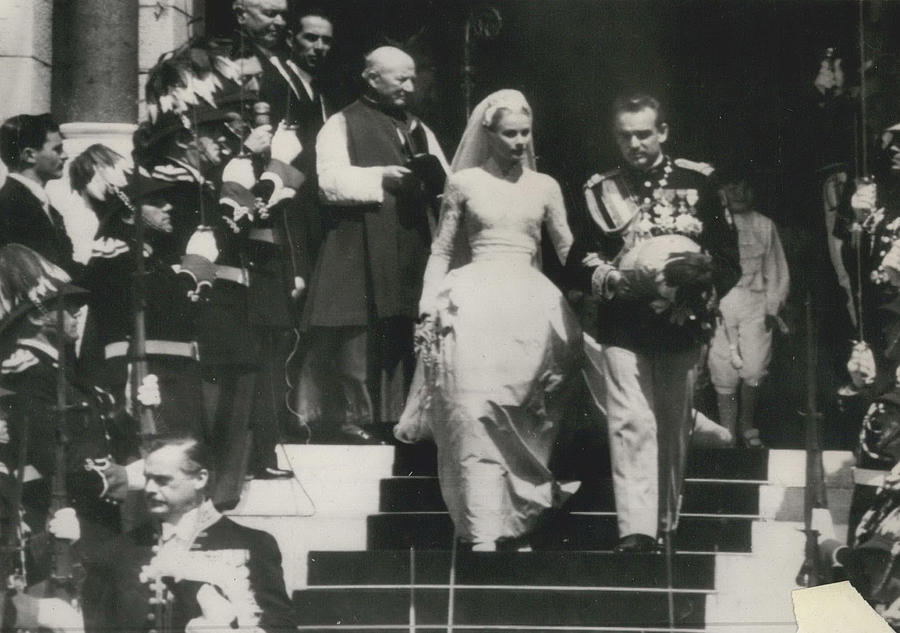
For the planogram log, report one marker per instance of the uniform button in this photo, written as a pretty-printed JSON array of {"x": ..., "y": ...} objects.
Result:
[{"x": 151, "y": 617}]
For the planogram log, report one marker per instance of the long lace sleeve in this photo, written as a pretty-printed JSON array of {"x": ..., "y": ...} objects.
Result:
[
  {"x": 442, "y": 246},
  {"x": 556, "y": 222}
]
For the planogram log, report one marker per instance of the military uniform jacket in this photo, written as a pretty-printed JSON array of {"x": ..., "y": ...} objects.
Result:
[
  {"x": 191, "y": 193},
  {"x": 95, "y": 427},
  {"x": 169, "y": 312},
  {"x": 126, "y": 600},
  {"x": 693, "y": 210},
  {"x": 253, "y": 272}
]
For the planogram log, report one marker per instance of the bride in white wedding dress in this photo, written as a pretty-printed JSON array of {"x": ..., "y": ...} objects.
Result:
[{"x": 499, "y": 346}]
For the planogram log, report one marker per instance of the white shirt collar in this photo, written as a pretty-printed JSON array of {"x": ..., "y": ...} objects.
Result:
[
  {"x": 34, "y": 188},
  {"x": 187, "y": 526},
  {"x": 305, "y": 77}
]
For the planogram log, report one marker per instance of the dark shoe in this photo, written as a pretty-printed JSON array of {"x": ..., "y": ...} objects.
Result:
[
  {"x": 272, "y": 473},
  {"x": 636, "y": 544},
  {"x": 354, "y": 434}
]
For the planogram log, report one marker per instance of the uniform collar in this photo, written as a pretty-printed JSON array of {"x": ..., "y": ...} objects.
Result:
[{"x": 40, "y": 346}]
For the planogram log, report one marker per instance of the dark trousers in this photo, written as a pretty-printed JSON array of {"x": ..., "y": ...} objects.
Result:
[{"x": 357, "y": 374}]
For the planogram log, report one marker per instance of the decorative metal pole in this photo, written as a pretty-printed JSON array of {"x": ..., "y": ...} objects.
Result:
[{"x": 482, "y": 23}]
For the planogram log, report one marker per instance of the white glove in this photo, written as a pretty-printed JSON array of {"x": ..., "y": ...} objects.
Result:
[
  {"x": 148, "y": 391},
  {"x": 59, "y": 615},
  {"x": 203, "y": 243},
  {"x": 239, "y": 170},
  {"x": 285, "y": 144},
  {"x": 299, "y": 287},
  {"x": 861, "y": 365},
  {"x": 64, "y": 525},
  {"x": 865, "y": 198},
  {"x": 259, "y": 139},
  {"x": 4, "y": 431}
]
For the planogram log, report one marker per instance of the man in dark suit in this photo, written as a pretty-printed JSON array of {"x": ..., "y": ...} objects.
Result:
[
  {"x": 262, "y": 53},
  {"x": 211, "y": 573},
  {"x": 32, "y": 149},
  {"x": 310, "y": 47}
]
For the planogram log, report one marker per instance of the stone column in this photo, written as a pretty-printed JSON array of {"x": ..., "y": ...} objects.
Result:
[{"x": 95, "y": 61}]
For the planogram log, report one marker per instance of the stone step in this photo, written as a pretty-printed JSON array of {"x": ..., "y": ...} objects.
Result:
[
  {"x": 576, "y": 531},
  {"x": 406, "y": 628},
  {"x": 593, "y": 462},
  {"x": 592, "y": 569},
  {"x": 423, "y": 494},
  {"x": 488, "y": 607}
]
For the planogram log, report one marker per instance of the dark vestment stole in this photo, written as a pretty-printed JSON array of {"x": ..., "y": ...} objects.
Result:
[{"x": 373, "y": 257}]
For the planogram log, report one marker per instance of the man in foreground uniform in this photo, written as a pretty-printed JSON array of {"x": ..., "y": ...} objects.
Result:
[
  {"x": 663, "y": 252},
  {"x": 192, "y": 569}
]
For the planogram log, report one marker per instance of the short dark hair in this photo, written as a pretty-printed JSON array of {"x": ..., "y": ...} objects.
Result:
[
  {"x": 637, "y": 101},
  {"x": 84, "y": 166},
  {"x": 309, "y": 11},
  {"x": 23, "y": 131},
  {"x": 198, "y": 454}
]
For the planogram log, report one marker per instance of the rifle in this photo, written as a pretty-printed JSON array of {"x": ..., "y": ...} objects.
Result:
[
  {"x": 12, "y": 565},
  {"x": 138, "y": 352},
  {"x": 63, "y": 580},
  {"x": 810, "y": 574}
]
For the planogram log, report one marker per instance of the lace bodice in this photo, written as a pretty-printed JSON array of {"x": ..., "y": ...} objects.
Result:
[{"x": 498, "y": 218}]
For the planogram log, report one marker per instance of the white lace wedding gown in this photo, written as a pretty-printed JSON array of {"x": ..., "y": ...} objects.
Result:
[{"x": 505, "y": 346}]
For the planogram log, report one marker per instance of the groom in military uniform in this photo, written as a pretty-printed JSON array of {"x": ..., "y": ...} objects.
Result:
[{"x": 651, "y": 340}]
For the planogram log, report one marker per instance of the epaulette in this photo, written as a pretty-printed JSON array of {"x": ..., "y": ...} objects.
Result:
[
  {"x": 108, "y": 248},
  {"x": 596, "y": 179},
  {"x": 18, "y": 361},
  {"x": 704, "y": 168},
  {"x": 172, "y": 173}
]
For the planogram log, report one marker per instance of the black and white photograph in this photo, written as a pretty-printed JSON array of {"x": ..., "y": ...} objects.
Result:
[{"x": 462, "y": 316}]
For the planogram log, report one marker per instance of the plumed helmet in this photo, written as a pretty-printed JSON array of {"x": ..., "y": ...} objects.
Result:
[{"x": 29, "y": 282}]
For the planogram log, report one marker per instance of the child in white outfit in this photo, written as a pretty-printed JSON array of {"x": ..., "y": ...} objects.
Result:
[{"x": 742, "y": 344}]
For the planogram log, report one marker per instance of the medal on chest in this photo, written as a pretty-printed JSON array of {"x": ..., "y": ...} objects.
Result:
[{"x": 665, "y": 210}]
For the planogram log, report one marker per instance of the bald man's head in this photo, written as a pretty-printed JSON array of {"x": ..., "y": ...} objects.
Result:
[{"x": 390, "y": 74}]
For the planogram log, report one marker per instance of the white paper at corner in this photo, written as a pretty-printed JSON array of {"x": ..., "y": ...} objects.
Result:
[{"x": 835, "y": 608}]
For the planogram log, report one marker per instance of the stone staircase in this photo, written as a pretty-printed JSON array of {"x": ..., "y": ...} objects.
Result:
[{"x": 365, "y": 534}]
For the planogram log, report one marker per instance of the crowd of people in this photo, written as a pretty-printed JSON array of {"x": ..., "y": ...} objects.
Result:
[{"x": 264, "y": 265}]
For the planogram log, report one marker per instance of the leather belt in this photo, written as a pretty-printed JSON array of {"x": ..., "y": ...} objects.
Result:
[
  {"x": 265, "y": 235},
  {"x": 155, "y": 348},
  {"x": 233, "y": 273}
]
